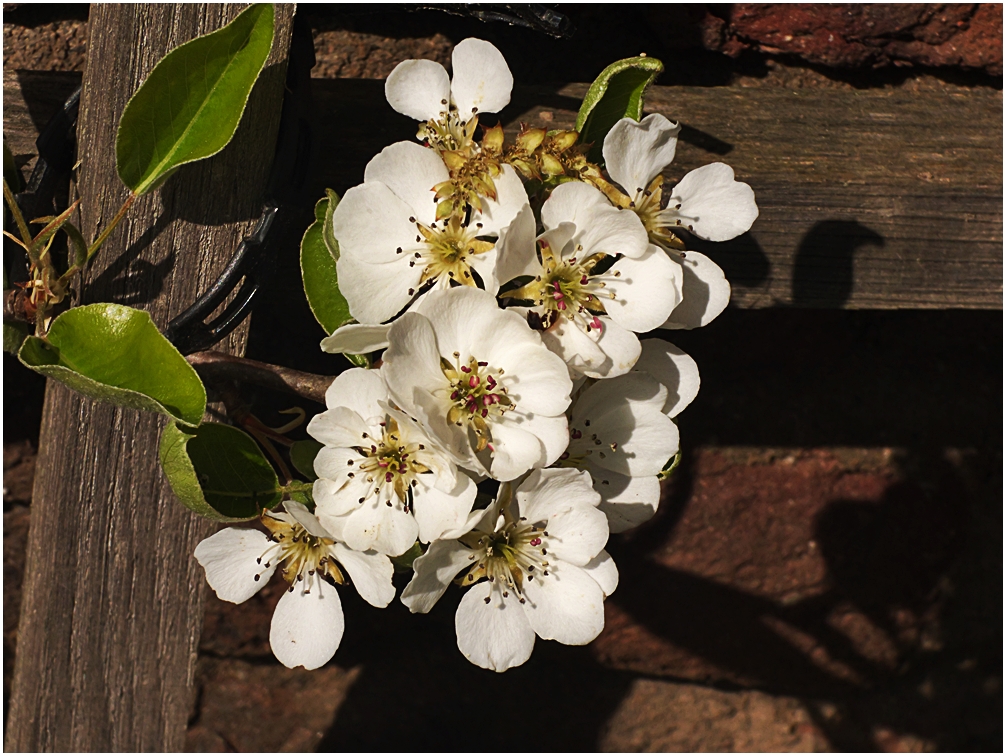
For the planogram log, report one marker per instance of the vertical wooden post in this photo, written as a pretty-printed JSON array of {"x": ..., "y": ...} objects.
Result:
[{"x": 112, "y": 601}]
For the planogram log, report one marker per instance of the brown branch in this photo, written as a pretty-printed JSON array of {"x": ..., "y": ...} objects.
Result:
[{"x": 217, "y": 366}]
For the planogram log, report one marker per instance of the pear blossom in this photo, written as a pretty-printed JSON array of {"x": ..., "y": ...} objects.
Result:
[
  {"x": 422, "y": 90},
  {"x": 480, "y": 381},
  {"x": 307, "y": 624},
  {"x": 596, "y": 279},
  {"x": 536, "y": 566},
  {"x": 393, "y": 248},
  {"x": 620, "y": 434},
  {"x": 382, "y": 482},
  {"x": 708, "y": 202}
]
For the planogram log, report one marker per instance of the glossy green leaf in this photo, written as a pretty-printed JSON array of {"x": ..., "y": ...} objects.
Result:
[
  {"x": 302, "y": 455},
  {"x": 616, "y": 94},
  {"x": 116, "y": 354},
  {"x": 403, "y": 562},
  {"x": 218, "y": 472},
  {"x": 191, "y": 103},
  {"x": 317, "y": 269}
]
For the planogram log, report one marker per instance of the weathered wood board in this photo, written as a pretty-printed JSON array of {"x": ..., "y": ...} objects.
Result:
[
  {"x": 869, "y": 199},
  {"x": 112, "y": 601}
]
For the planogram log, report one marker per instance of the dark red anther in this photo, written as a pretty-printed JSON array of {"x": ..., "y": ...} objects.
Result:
[
  {"x": 388, "y": 477},
  {"x": 474, "y": 381},
  {"x": 465, "y": 369},
  {"x": 574, "y": 434}
]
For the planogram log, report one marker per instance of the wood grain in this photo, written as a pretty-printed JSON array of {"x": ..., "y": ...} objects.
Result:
[
  {"x": 878, "y": 199},
  {"x": 112, "y": 602}
]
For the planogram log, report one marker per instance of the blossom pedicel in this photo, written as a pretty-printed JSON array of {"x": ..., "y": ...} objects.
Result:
[{"x": 516, "y": 418}]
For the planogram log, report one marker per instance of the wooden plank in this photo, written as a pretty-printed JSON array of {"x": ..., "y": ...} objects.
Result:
[
  {"x": 112, "y": 603},
  {"x": 869, "y": 199}
]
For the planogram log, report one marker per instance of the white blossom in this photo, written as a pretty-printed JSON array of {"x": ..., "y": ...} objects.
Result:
[
  {"x": 382, "y": 481},
  {"x": 307, "y": 624},
  {"x": 708, "y": 202},
  {"x": 536, "y": 567},
  {"x": 596, "y": 280},
  {"x": 392, "y": 247},
  {"x": 480, "y": 381},
  {"x": 422, "y": 90}
]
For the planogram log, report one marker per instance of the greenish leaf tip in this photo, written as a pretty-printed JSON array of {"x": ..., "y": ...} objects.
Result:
[
  {"x": 115, "y": 354},
  {"x": 191, "y": 103},
  {"x": 318, "y": 269},
  {"x": 219, "y": 472},
  {"x": 615, "y": 94}
]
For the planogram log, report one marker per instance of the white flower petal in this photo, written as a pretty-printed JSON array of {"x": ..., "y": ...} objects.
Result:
[
  {"x": 494, "y": 635},
  {"x": 438, "y": 512},
  {"x": 705, "y": 293},
  {"x": 674, "y": 369},
  {"x": 535, "y": 379},
  {"x": 434, "y": 572},
  {"x": 485, "y": 265},
  {"x": 417, "y": 88},
  {"x": 338, "y": 428},
  {"x": 482, "y": 79},
  {"x": 360, "y": 390},
  {"x": 370, "y": 572},
  {"x": 621, "y": 348},
  {"x": 714, "y": 206},
  {"x": 511, "y": 197},
  {"x": 572, "y": 202},
  {"x": 516, "y": 251},
  {"x": 634, "y": 153},
  {"x": 306, "y": 519},
  {"x": 578, "y": 349},
  {"x": 371, "y": 223},
  {"x": 378, "y": 527},
  {"x": 646, "y": 290},
  {"x": 356, "y": 338},
  {"x": 336, "y": 494},
  {"x": 626, "y": 501},
  {"x": 602, "y": 568},
  {"x": 578, "y": 534},
  {"x": 307, "y": 626},
  {"x": 376, "y": 293},
  {"x": 623, "y": 426},
  {"x": 547, "y": 493},
  {"x": 410, "y": 171},
  {"x": 230, "y": 559},
  {"x": 415, "y": 379},
  {"x": 566, "y": 605},
  {"x": 516, "y": 450}
]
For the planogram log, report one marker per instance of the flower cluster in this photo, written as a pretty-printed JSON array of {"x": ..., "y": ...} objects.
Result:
[{"x": 516, "y": 418}]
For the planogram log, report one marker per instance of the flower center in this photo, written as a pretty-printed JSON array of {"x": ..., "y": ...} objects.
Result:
[
  {"x": 304, "y": 556},
  {"x": 513, "y": 554},
  {"x": 391, "y": 461},
  {"x": 568, "y": 287},
  {"x": 477, "y": 396},
  {"x": 449, "y": 131},
  {"x": 448, "y": 251}
]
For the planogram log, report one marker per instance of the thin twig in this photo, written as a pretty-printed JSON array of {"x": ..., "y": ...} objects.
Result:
[{"x": 217, "y": 366}]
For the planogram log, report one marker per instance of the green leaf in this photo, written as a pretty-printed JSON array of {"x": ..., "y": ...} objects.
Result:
[
  {"x": 616, "y": 94},
  {"x": 116, "y": 354},
  {"x": 317, "y": 269},
  {"x": 14, "y": 334},
  {"x": 668, "y": 470},
  {"x": 328, "y": 229},
  {"x": 404, "y": 562},
  {"x": 218, "y": 472},
  {"x": 190, "y": 105},
  {"x": 302, "y": 455}
]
